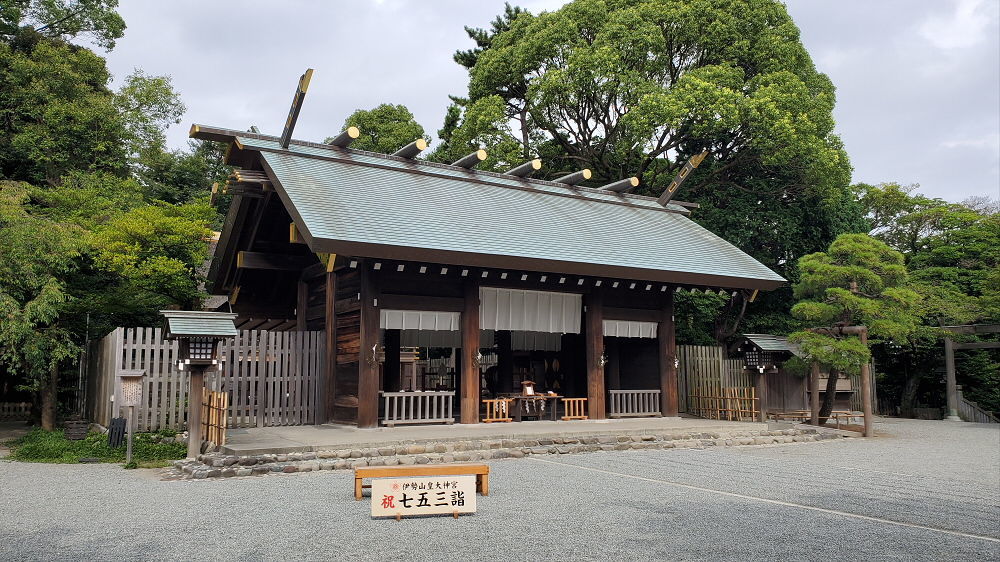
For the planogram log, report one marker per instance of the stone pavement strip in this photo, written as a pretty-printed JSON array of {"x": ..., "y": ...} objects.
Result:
[{"x": 929, "y": 491}]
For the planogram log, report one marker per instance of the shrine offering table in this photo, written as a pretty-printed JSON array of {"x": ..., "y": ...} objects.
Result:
[{"x": 535, "y": 405}]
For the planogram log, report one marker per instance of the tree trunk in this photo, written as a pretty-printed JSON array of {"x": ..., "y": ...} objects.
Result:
[
  {"x": 50, "y": 398},
  {"x": 829, "y": 396},
  {"x": 909, "y": 395}
]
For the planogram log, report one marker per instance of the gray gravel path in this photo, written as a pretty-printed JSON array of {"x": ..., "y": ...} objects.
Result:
[{"x": 929, "y": 492}]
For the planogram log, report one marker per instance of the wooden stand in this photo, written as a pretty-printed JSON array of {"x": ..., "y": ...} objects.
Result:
[
  {"x": 498, "y": 410},
  {"x": 574, "y": 409}
]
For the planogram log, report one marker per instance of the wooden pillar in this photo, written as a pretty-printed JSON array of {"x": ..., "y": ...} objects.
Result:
[
  {"x": 951, "y": 385},
  {"x": 505, "y": 361},
  {"x": 391, "y": 376},
  {"x": 301, "y": 303},
  {"x": 197, "y": 383},
  {"x": 368, "y": 367},
  {"x": 760, "y": 388},
  {"x": 469, "y": 387},
  {"x": 594, "y": 328},
  {"x": 866, "y": 389},
  {"x": 668, "y": 359},
  {"x": 328, "y": 382},
  {"x": 612, "y": 370},
  {"x": 814, "y": 394}
]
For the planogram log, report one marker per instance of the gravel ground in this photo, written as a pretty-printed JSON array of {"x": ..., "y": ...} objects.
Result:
[{"x": 931, "y": 491}]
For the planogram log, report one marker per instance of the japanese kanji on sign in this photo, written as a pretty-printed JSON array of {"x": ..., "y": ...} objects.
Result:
[{"x": 406, "y": 497}]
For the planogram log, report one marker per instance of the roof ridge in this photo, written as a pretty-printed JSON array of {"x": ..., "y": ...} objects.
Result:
[{"x": 570, "y": 189}]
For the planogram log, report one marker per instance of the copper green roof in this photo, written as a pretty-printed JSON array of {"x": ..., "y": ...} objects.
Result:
[
  {"x": 190, "y": 323},
  {"x": 770, "y": 342},
  {"x": 358, "y": 203}
]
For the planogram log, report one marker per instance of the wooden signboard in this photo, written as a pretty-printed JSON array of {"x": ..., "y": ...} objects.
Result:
[{"x": 435, "y": 495}]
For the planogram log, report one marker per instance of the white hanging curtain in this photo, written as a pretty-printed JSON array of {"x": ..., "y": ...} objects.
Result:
[
  {"x": 526, "y": 341},
  {"x": 418, "y": 320},
  {"x": 529, "y": 311},
  {"x": 429, "y": 338},
  {"x": 629, "y": 329}
]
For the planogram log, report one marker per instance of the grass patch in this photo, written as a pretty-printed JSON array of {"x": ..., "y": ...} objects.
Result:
[{"x": 52, "y": 447}]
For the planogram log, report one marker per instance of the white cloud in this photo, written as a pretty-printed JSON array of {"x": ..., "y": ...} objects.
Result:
[
  {"x": 965, "y": 27},
  {"x": 989, "y": 142}
]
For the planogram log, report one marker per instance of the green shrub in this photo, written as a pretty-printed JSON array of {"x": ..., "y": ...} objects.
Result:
[{"x": 52, "y": 447}]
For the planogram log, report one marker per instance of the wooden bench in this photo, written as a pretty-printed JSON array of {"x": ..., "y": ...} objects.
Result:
[{"x": 481, "y": 471}]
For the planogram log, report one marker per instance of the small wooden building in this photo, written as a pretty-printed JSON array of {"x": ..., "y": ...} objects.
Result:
[
  {"x": 568, "y": 286},
  {"x": 783, "y": 391}
]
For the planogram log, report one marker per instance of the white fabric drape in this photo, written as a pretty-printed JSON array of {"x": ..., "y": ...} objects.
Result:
[
  {"x": 629, "y": 329},
  {"x": 529, "y": 311},
  {"x": 418, "y": 320}
]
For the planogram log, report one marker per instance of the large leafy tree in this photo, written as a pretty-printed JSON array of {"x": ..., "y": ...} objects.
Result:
[
  {"x": 952, "y": 251},
  {"x": 385, "y": 128},
  {"x": 99, "y": 225},
  {"x": 636, "y": 87},
  {"x": 38, "y": 256},
  {"x": 859, "y": 281},
  {"x": 95, "y": 20}
]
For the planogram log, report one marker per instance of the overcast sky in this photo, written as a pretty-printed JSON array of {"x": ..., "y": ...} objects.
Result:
[{"x": 918, "y": 82}]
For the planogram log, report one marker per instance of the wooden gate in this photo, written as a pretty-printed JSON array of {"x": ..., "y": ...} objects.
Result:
[{"x": 271, "y": 378}]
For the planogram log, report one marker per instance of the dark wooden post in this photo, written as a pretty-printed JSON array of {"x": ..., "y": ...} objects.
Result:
[
  {"x": 951, "y": 386},
  {"x": 866, "y": 388},
  {"x": 668, "y": 359},
  {"x": 328, "y": 382},
  {"x": 761, "y": 389},
  {"x": 469, "y": 388},
  {"x": 392, "y": 378},
  {"x": 301, "y": 303},
  {"x": 197, "y": 384},
  {"x": 505, "y": 361},
  {"x": 594, "y": 327},
  {"x": 613, "y": 368},
  {"x": 368, "y": 358},
  {"x": 814, "y": 394}
]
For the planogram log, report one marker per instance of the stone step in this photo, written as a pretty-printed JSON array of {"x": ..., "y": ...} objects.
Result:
[{"x": 220, "y": 465}]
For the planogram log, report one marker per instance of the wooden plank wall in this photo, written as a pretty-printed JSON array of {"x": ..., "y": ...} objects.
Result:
[
  {"x": 347, "y": 310},
  {"x": 271, "y": 378}
]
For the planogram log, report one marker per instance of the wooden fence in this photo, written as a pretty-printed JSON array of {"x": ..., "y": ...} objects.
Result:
[
  {"x": 272, "y": 378},
  {"x": 704, "y": 371},
  {"x": 214, "y": 407},
  {"x": 730, "y": 403},
  {"x": 15, "y": 411}
]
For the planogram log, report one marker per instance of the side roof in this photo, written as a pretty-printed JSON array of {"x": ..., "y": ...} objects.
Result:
[
  {"x": 359, "y": 203},
  {"x": 770, "y": 342}
]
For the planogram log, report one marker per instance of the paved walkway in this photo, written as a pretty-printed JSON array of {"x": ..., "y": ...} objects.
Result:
[
  {"x": 304, "y": 438},
  {"x": 8, "y": 431},
  {"x": 927, "y": 491}
]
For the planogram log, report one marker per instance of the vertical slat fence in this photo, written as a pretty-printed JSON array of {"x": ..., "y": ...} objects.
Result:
[{"x": 270, "y": 378}]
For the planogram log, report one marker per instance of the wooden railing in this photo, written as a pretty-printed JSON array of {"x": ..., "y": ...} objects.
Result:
[
  {"x": 497, "y": 410},
  {"x": 574, "y": 409},
  {"x": 417, "y": 407},
  {"x": 634, "y": 403},
  {"x": 15, "y": 411},
  {"x": 971, "y": 412}
]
